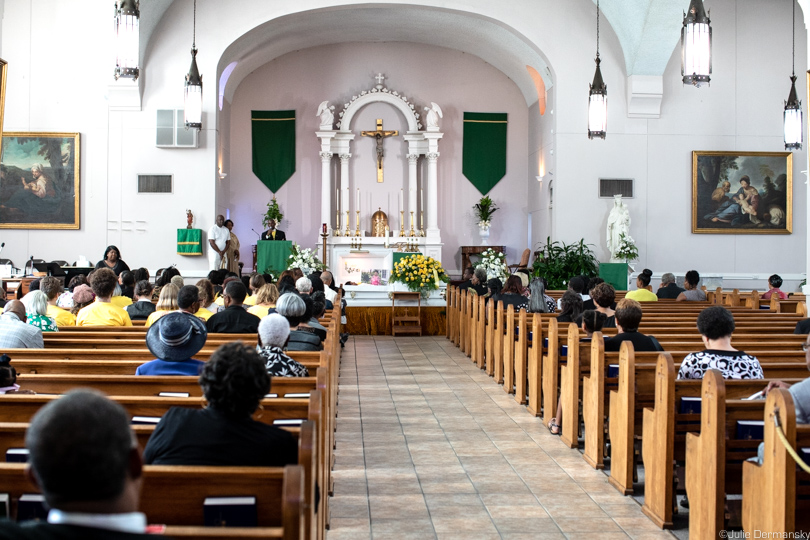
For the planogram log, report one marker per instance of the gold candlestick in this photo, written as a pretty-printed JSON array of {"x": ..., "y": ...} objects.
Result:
[
  {"x": 337, "y": 222},
  {"x": 412, "y": 232},
  {"x": 401, "y": 223},
  {"x": 422, "y": 220},
  {"x": 357, "y": 230},
  {"x": 348, "y": 232},
  {"x": 324, "y": 237}
]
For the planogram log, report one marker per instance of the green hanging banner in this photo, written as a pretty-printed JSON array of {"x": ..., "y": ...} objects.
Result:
[
  {"x": 273, "y": 146},
  {"x": 484, "y": 154}
]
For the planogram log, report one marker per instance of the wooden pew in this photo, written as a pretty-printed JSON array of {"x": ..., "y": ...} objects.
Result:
[
  {"x": 174, "y": 495},
  {"x": 509, "y": 351},
  {"x": 140, "y": 385}
]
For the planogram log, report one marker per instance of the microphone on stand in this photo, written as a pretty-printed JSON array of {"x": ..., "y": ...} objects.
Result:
[
  {"x": 252, "y": 229},
  {"x": 2, "y": 246},
  {"x": 31, "y": 260}
]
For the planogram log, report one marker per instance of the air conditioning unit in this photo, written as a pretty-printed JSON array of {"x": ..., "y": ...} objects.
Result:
[{"x": 171, "y": 131}]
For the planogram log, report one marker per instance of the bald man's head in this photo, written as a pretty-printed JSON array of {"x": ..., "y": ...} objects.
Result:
[{"x": 17, "y": 308}]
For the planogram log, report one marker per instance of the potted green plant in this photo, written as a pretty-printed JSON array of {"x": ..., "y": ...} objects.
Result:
[
  {"x": 558, "y": 262},
  {"x": 484, "y": 209},
  {"x": 273, "y": 212}
]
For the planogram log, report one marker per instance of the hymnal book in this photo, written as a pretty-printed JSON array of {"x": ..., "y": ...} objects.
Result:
[
  {"x": 750, "y": 430},
  {"x": 145, "y": 420},
  {"x": 805, "y": 454},
  {"x": 270, "y": 395},
  {"x": 174, "y": 394},
  {"x": 31, "y": 506},
  {"x": 613, "y": 371},
  {"x": 564, "y": 350},
  {"x": 690, "y": 405},
  {"x": 288, "y": 422},
  {"x": 297, "y": 395},
  {"x": 545, "y": 342},
  {"x": 758, "y": 395},
  {"x": 230, "y": 512},
  {"x": 17, "y": 455},
  {"x": 4, "y": 506}
]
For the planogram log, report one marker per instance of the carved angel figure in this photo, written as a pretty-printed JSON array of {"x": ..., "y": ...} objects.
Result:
[
  {"x": 326, "y": 113},
  {"x": 433, "y": 113}
]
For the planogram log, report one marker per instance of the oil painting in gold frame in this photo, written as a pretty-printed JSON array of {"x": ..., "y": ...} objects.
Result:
[
  {"x": 40, "y": 181},
  {"x": 742, "y": 192}
]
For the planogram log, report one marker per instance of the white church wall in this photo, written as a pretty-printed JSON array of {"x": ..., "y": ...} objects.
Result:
[
  {"x": 740, "y": 111},
  {"x": 337, "y": 72}
]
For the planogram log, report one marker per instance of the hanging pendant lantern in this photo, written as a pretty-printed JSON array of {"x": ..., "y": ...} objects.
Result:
[
  {"x": 127, "y": 48},
  {"x": 793, "y": 107},
  {"x": 192, "y": 111},
  {"x": 597, "y": 105},
  {"x": 696, "y": 45},
  {"x": 597, "y": 97}
]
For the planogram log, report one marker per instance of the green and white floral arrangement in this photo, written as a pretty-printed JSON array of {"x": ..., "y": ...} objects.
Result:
[
  {"x": 494, "y": 262},
  {"x": 484, "y": 209},
  {"x": 305, "y": 259},
  {"x": 627, "y": 248}
]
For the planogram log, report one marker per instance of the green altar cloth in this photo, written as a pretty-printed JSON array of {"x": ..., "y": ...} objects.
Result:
[
  {"x": 272, "y": 255},
  {"x": 615, "y": 274},
  {"x": 189, "y": 241}
]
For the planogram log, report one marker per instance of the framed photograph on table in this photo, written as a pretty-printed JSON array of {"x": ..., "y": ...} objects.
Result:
[
  {"x": 40, "y": 181},
  {"x": 742, "y": 192}
]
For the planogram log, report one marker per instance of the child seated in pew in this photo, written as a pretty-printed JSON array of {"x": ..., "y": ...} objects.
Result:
[
  {"x": 83, "y": 457},
  {"x": 174, "y": 339},
  {"x": 628, "y": 317},
  {"x": 570, "y": 306},
  {"x": 604, "y": 297},
  {"x": 590, "y": 321},
  {"x": 233, "y": 381},
  {"x": 716, "y": 324},
  {"x": 774, "y": 282}
]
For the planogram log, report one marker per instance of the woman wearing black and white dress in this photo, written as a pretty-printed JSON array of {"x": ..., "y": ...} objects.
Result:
[{"x": 716, "y": 324}]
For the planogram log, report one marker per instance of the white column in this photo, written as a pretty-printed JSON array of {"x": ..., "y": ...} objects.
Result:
[
  {"x": 412, "y": 190},
  {"x": 432, "y": 195},
  {"x": 326, "y": 190},
  {"x": 344, "y": 184}
]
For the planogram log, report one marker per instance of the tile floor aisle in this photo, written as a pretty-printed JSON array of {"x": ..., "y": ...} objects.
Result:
[{"x": 428, "y": 446}]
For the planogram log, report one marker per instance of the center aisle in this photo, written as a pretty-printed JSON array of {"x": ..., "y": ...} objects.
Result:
[{"x": 428, "y": 446}]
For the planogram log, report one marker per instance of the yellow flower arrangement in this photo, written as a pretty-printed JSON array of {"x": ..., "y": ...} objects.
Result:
[{"x": 419, "y": 273}]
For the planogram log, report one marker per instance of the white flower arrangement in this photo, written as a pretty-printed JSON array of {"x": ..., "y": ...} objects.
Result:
[
  {"x": 494, "y": 262},
  {"x": 484, "y": 223},
  {"x": 304, "y": 259},
  {"x": 627, "y": 248}
]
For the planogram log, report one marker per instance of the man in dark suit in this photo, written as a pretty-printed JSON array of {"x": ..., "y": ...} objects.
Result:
[
  {"x": 272, "y": 233},
  {"x": 668, "y": 289},
  {"x": 234, "y": 319},
  {"x": 84, "y": 459}
]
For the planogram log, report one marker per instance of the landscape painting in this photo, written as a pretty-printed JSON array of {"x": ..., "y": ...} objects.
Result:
[
  {"x": 742, "y": 192},
  {"x": 39, "y": 181}
]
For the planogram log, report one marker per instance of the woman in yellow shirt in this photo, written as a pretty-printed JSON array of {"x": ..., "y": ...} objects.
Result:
[
  {"x": 102, "y": 312},
  {"x": 265, "y": 301},
  {"x": 166, "y": 303},
  {"x": 644, "y": 292}
]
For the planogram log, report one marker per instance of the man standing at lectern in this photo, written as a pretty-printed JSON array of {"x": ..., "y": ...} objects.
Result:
[
  {"x": 219, "y": 238},
  {"x": 272, "y": 233}
]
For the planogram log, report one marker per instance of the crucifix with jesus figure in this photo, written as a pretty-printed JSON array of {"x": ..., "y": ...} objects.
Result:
[{"x": 379, "y": 135}]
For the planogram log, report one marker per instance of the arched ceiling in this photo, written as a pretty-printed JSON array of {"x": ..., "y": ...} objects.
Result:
[{"x": 480, "y": 37}]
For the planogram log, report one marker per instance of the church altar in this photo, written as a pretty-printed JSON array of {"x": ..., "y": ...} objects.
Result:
[{"x": 368, "y": 261}]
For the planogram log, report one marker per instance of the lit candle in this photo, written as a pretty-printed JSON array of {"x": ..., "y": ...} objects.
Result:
[
  {"x": 400, "y": 200},
  {"x": 422, "y": 199},
  {"x": 337, "y": 199},
  {"x": 324, "y": 228}
]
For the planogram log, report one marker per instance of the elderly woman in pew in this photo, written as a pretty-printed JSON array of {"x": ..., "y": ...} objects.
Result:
[
  {"x": 589, "y": 322},
  {"x": 716, "y": 324},
  {"x": 302, "y": 337},
  {"x": 174, "y": 340},
  {"x": 274, "y": 332},
  {"x": 234, "y": 381},
  {"x": 539, "y": 301},
  {"x": 628, "y": 318}
]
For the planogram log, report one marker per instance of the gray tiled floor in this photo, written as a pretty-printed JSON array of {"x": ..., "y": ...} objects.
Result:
[{"x": 428, "y": 446}]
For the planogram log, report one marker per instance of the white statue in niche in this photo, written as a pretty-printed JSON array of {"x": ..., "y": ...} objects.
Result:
[
  {"x": 618, "y": 223},
  {"x": 433, "y": 113},
  {"x": 326, "y": 113}
]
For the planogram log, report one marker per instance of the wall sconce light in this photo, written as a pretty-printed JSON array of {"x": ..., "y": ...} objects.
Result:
[{"x": 193, "y": 90}]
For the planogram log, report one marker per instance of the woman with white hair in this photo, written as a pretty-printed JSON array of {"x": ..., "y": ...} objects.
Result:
[
  {"x": 274, "y": 332},
  {"x": 293, "y": 308},
  {"x": 36, "y": 308}
]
